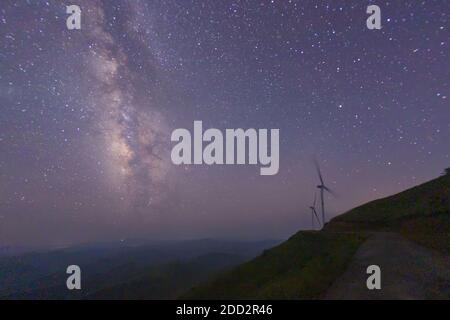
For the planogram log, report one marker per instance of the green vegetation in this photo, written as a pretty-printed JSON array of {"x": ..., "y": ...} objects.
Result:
[
  {"x": 420, "y": 214},
  {"x": 300, "y": 268},
  {"x": 432, "y": 232},
  {"x": 430, "y": 199}
]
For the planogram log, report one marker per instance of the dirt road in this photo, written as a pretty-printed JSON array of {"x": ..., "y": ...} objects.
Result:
[{"x": 408, "y": 271}]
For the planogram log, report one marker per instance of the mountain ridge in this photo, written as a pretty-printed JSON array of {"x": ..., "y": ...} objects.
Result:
[{"x": 420, "y": 213}]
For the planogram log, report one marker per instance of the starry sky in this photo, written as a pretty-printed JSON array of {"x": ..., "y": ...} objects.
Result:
[{"x": 86, "y": 115}]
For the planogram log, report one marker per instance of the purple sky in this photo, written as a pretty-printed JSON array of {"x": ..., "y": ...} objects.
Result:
[{"x": 86, "y": 115}]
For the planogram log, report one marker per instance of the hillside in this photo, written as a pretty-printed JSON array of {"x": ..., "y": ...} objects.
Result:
[
  {"x": 300, "y": 268},
  {"x": 307, "y": 264},
  {"x": 428, "y": 199},
  {"x": 421, "y": 213}
]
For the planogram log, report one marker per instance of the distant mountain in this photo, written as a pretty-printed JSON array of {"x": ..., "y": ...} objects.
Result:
[
  {"x": 12, "y": 250},
  {"x": 306, "y": 265},
  {"x": 168, "y": 281},
  {"x": 43, "y": 275}
]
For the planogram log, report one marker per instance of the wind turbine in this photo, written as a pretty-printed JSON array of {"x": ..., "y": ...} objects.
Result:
[
  {"x": 314, "y": 212},
  {"x": 322, "y": 187}
]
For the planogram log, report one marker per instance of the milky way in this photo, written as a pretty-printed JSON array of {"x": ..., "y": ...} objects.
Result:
[
  {"x": 133, "y": 132},
  {"x": 86, "y": 115}
]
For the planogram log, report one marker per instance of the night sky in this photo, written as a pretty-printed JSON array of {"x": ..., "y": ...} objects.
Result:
[{"x": 86, "y": 115}]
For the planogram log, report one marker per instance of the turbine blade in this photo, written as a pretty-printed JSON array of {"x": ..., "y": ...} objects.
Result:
[
  {"x": 317, "y": 217},
  {"x": 316, "y": 163},
  {"x": 330, "y": 191},
  {"x": 315, "y": 196}
]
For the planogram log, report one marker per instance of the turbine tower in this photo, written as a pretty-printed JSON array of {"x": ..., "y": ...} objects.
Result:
[
  {"x": 322, "y": 187},
  {"x": 314, "y": 213}
]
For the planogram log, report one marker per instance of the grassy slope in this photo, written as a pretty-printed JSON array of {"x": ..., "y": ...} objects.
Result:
[
  {"x": 304, "y": 266},
  {"x": 421, "y": 214},
  {"x": 300, "y": 268}
]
